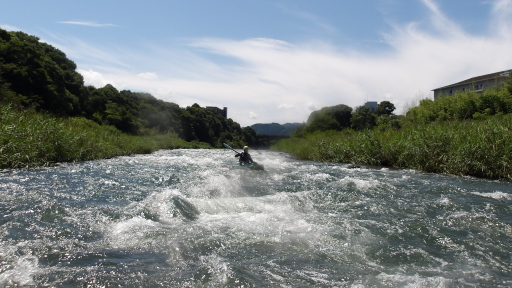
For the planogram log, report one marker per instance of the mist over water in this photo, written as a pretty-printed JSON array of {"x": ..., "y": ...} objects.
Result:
[{"x": 192, "y": 218}]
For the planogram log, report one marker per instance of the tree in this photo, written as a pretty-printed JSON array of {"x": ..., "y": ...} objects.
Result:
[
  {"x": 385, "y": 108},
  {"x": 201, "y": 124},
  {"x": 249, "y": 135},
  {"x": 40, "y": 73},
  {"x": 323, "y": 122},
  {"x": 363, "y": 118},
  {"x": 330, "y": 118}
]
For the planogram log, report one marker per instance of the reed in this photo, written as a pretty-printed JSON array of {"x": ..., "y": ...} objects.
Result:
[
  {"x": 29, "y": 139},
  {"x": 480, "y": 148}
]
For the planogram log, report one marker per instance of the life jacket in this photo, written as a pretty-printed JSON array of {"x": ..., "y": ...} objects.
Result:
[{"x": 244, "y": 157}]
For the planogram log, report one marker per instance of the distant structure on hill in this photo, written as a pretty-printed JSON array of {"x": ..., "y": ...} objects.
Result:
[
  {"x": 475, "y": 84},
  {"x": 372, "y": 105},
  {"x": 222, "y": 112}
]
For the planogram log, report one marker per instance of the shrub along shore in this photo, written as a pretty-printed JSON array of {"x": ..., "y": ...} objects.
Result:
[
  {"x": 30, "y": 139},
  {"x": 480, "y": 148}
]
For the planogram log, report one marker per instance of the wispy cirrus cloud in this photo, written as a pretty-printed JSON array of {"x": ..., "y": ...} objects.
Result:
[
  {"x": 311, "y": 18},
  {"x": 439, "y": 20},
  {"x": 9, "y": 27},
  {"x": 88, "y": 23}
]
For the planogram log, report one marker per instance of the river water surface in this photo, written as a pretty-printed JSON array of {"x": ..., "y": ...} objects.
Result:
[{"x": 192, "y": 218}]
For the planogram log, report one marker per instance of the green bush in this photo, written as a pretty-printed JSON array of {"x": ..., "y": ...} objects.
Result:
[{"x": 477, "y": 148}]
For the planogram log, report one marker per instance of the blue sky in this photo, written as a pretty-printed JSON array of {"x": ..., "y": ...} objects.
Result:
[{"x": 274, "y": 61}]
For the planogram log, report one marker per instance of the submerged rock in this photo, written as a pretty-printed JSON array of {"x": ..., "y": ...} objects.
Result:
[{"x": 185, "y": 208}]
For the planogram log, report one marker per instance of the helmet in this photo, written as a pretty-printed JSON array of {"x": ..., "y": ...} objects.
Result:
[{"x": 246, "y": 147}]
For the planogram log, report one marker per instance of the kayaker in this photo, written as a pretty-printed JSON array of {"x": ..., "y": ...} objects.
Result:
[{"x": 245, "y": 157}]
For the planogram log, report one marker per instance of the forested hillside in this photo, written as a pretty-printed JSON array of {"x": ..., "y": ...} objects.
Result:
[
  {"x": 39, "y": 77},
  {"x": 275, "y": 129}
]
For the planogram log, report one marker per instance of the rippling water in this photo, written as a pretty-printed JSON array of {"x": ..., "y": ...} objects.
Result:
[{"x": 191, "y": 218}]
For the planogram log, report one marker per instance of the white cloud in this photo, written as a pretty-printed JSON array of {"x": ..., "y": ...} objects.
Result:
[
  {"x": 440, "y": 21},
  {"x": 286, "y": 106},
  {"x": 276, "y": 81},
  {"x": 94, "y": 78},
  {"x": 310, "y": 106},
  {"x": 87, "y": 23},
  {"x": 9, "y": 27},
  {"x": 148, "y": 75},
  {"x": 253, "y": 115},
  {"x": 502, "y": 13},
  {"x": 315, "y": 20}
]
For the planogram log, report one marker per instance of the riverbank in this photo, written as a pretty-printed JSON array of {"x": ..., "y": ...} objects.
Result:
[
  {"x": 480, "y": 148},
  {"x": 30, "y": 139}
]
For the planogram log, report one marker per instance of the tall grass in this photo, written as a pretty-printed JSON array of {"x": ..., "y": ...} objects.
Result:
[
  {"x": 481, "y": 148},
  {"x": 32, "y": 139}
]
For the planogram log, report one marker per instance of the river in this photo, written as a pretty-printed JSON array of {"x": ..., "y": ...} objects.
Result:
[{"x": 192, "y": 218}]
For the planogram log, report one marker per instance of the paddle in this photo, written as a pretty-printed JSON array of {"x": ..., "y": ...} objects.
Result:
[{"x": 227, "y": 146}]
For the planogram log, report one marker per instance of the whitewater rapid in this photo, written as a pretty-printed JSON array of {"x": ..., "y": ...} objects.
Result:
[{"x": 193, "y": 218}]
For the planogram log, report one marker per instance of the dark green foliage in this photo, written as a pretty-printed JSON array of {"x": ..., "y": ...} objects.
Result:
[
  {"x": 340, "y": 114},
  {"x": 42, "y": 74},
  {"x": 323, "y": 122},
  {"x": 463, "y": 106},
  {"x": 275, "y": 129},
  {"x": 200, "y": 124},
  {"x": 341, "y": 117},
  {"x": 110, "y": 107},
  {"x": 328, "y": 118},
  {"x": 386, "y": 122},
  {"x": 385, "y": 108},
  {"x": 249, "y": 135},
  {"x": 363, "y": 118},
  {"x": 157, "y": 116}
]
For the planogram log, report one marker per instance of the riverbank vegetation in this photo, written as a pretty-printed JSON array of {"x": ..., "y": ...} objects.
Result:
[
  {"x": 465, "y": 134},
  {"x": 31, "y": 139},
  {"x": 48, "y": 115}
]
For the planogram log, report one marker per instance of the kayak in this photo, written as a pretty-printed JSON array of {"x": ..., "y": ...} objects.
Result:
[{"x": 252, "y": 166}]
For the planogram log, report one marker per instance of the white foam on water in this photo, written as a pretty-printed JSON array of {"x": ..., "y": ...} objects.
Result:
[
  {"x": 212, "y": 185},
  {"x": 218, "y": 269},
  {"x": 317, "y": 277},
  {"x": 413, "y": 281},
  {"x": 159, "y": 204},
  {"x": 445, "y": 201},
  {"x": 456, "y": 215},
  {"x": 268, "y": 217},
  {"x": 131, "y": 233},
  {"x": 361, "y": 184},
  {"x": 319, "y": 177},
  {"x": 498, "y": 195},
  {"x": 17, "y": 270}
]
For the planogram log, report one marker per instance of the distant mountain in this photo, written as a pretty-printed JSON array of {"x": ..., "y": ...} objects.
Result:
[{"x": 275, "y": 129}]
